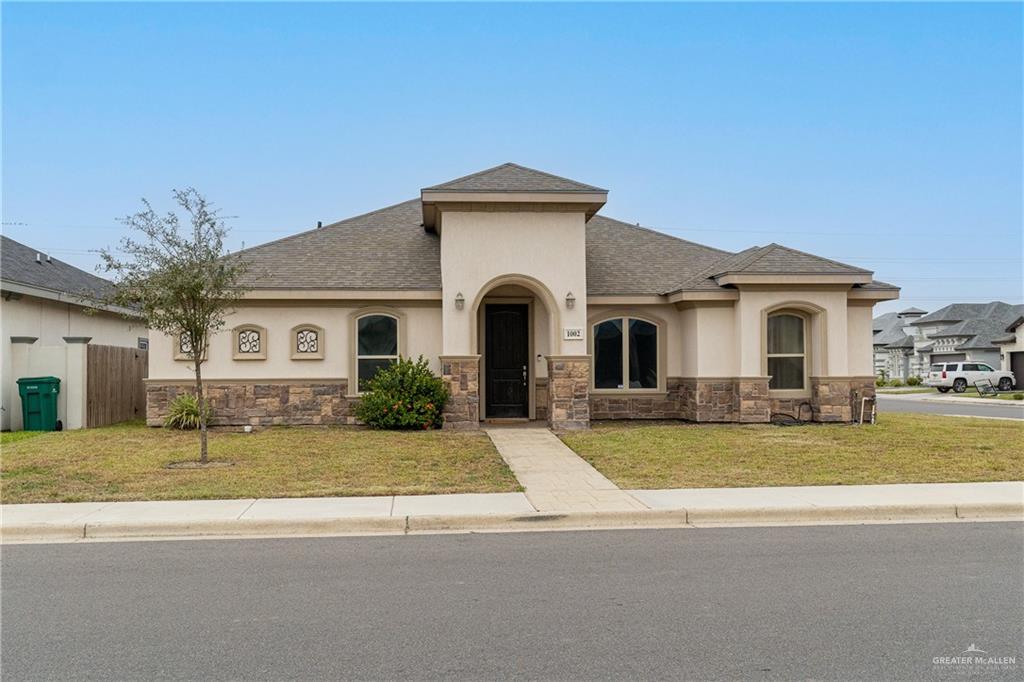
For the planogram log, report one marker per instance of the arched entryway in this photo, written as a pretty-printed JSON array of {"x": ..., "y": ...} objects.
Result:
[{"x": 515, "y": 328}]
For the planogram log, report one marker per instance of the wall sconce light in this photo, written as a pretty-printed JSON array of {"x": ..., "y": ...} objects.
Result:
[
  {"x": 570, "y": 300},
  {"x": 460, "y": 301}
]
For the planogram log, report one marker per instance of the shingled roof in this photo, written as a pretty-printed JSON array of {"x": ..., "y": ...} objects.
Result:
[
  {"x": 511, "y": 177},
  {"x": 383, "y": 249},
  {"x": 18, "y": 265}
]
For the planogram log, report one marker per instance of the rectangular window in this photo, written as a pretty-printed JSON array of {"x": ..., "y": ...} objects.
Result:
[
  {"x": 643, "y": 354},
  {"x": 377, "y": 346},
  {"x": 608, "y": 354},
  {"x": 785, "y": 352}
]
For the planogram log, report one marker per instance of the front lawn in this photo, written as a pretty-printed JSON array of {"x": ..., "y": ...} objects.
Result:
[
  {"x": 900, "y": 448},
  {"x": 973, "y": 393},
  {"x": 126, "y": 462}
]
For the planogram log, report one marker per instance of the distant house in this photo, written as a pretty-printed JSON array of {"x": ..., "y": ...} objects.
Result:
[
  {"x": 1011, "y": 349},
  {"x": 957, "y": 332},
  {"x": 45, "y": 329},
  {"x": 893, "y": 337}
]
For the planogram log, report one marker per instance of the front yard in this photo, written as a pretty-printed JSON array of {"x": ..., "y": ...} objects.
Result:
[
  {"x": 127, "y": 462},
  {"x": 900, "y": 448}
]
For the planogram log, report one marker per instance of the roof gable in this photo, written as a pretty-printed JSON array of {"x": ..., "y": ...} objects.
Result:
[
  {"x": 777, "y": 259},
  {"x": 511, "y": 177}
]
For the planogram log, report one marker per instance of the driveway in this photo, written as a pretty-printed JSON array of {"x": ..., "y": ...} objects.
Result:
[{"x": 931, "y": 403}]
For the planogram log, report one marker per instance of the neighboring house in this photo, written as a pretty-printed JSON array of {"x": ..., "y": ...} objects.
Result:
[
  {"x": 45, "y": 329},
  {"x": 531, "y": 305},
  {"x": 957, "y": 332},
  {"x": 1011, "y": 350},
  {"x": 893, "y": 336}
]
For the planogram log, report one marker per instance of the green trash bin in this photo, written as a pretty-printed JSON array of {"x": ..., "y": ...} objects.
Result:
[{"x": 39, "y": 403}]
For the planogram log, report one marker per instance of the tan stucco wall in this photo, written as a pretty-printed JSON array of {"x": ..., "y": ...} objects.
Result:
[
  {"x": 50, "y": 321},
  {"x": 829, "y": 345},
  {"x": 422, "y": 336},
  {"x": 859, "y": 333},
  {"x": 479, "y": 246}
]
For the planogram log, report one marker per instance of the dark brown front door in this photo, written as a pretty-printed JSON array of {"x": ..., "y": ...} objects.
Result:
[{"x": 506, "y": 359}]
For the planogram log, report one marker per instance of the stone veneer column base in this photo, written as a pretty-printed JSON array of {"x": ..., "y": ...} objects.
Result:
[
  {"x": 569, "y": 392},
  {"x": 838, "y": 399},
  {"x": 461, "y": 374},
  {"x": 237, "y": 404},
  {"x": 752, "y": 404}
]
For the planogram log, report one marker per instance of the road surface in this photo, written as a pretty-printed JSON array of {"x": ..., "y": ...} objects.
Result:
[
  {"x": 850, "y": 602},
  {"x": 915, "y": 404}
]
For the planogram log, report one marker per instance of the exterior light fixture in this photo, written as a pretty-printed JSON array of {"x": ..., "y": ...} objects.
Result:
[
  {"x": 460, "y": 301},
  {"x": 570, "y": 300}
]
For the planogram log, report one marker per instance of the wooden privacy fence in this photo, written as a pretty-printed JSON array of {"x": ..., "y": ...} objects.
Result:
[{"x": 115, "y": 391}]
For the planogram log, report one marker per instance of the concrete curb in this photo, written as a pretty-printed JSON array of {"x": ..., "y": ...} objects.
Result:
[{"x": 540, "y": 521}]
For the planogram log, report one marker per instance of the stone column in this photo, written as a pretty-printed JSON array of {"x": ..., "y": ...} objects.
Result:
[
  {"x": 831, "y": 399},
  {"x": 752, "y": 403},
  {"x": 461, "y": 374},
  {"x": 568, "y": 392}
]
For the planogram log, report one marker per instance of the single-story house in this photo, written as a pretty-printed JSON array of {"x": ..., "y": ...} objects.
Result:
[
  {"x": 48, "y": 319},
  {"x": 532, "y": 305},
  {"x": 1011, "y": 350}
]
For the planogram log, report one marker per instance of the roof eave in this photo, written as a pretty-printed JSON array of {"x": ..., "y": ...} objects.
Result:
[{"x": 589, "y": 202}]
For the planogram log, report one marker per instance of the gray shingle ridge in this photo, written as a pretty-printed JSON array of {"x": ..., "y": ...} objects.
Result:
[
  {"x": 561, "y": 184},
  {"x": 779, "y": 247},
  {"x": 705, "y": 274},
  {"x": 18, "y": 264},
  {"x": 315, "y": 230}
]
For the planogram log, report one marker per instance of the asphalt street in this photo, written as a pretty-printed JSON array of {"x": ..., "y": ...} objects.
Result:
[
  {"x": 1008, "y": 411},
  {"x": 828, "y": 602}
]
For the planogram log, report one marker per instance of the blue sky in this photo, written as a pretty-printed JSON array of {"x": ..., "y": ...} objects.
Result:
[{"x": 887, "y": 136}]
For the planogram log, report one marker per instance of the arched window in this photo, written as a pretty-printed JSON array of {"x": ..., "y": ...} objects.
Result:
[
  {"x": 625, "y": 354},
  {"x": 786, "y": 351},
  {"x": 307, "y": 342},
  {"x": 250, "y": 342},
  {"x": 376, "y": 345}
]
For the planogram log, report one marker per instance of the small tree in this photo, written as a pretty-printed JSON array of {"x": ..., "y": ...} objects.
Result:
[{"x": 181, "y": 281}]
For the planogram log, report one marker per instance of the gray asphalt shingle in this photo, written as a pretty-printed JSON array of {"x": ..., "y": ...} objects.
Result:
[
  {"x": 18, "y": 264},
  {"x": 511, "y": 177}
]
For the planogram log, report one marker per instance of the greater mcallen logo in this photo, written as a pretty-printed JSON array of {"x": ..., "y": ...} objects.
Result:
[{"x": 973, "y": 657}]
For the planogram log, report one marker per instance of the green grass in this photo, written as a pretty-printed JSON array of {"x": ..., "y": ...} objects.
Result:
[
  {"x": 10, "y": 437},
  {"x": 900, "y": 448},
  {"x": 127, "y": 462},
  {"x": 973, "y": 393}
]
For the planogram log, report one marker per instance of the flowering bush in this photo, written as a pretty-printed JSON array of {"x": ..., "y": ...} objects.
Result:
[{"x": 403, "y": 395}]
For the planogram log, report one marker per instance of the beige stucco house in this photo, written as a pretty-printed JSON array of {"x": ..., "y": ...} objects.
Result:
[
  {"x": 533, "y": 305},
  {"x": 48, "y": 318}
]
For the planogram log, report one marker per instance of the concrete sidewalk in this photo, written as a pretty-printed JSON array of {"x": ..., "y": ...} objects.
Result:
[{"x": 508, "y": 512}]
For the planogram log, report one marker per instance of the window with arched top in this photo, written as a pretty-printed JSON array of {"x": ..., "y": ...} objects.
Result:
[
  {"x": 786, "y": 351},
  {"x": 376, "y": 345},
  {"x": 249, "y": 342},
  {"x": 307, "y": 342},
  {"x": 627, "y": 354}
]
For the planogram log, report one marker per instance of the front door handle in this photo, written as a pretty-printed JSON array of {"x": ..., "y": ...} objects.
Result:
[{"x": 524, "y": 375}]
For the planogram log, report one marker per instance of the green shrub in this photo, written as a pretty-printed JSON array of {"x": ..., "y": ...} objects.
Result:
[
  {"x": 914, "y": 381},
  {"x": 880, "y": 381},
  {"x": 896, "y": 383},
  {"x": 1018, "y": 396},
  {"x": 403, "y": 395},
  {"x": 183, "y": 413}
]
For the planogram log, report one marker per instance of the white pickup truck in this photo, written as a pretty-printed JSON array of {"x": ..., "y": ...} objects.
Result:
[{"x": 959, "y": 376}]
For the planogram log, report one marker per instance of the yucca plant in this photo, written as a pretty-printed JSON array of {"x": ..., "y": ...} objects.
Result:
[{"x": 183, "y": 413}]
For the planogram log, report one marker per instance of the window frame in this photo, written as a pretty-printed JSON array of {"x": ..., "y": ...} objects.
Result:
[
  {"x": 320, "y": 341},
  {"x": 355, "y": 357},
  {"x": 625, "y": 316},
  {"x": 236, "y": 352},
  {"x": 179, "y": 356},
  {"x": 805, "y": 390}
]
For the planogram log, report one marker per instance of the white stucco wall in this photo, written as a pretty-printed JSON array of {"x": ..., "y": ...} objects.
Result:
[
  {"x": 859, "y": 333},
  {"x": 422, "y": 336},
  {"x": 479, "y": 246},
  {"x": 50, "y": 321}
]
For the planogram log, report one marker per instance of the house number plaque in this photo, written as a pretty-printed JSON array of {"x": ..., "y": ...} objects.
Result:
[{"x": 572, "y": 333}]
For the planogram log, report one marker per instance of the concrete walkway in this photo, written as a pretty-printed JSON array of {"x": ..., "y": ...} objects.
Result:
[{"x": 556, "y": 479}]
